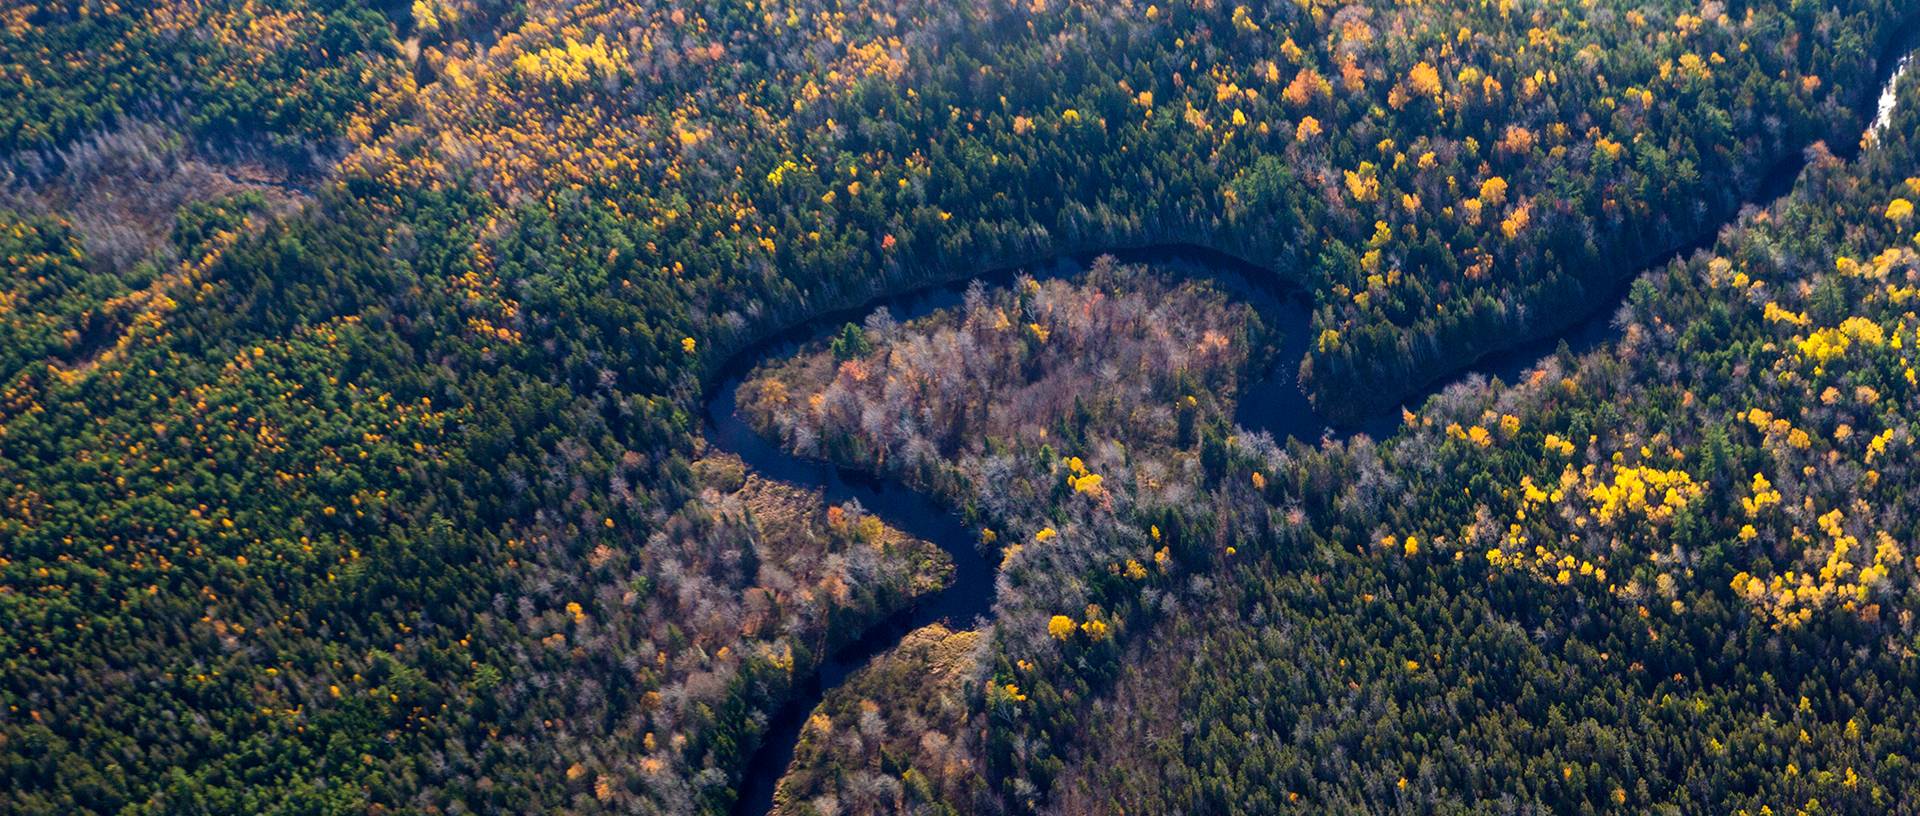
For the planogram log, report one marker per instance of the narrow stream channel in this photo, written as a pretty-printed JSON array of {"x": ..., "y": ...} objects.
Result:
[{"x": 1270, "y": 401}]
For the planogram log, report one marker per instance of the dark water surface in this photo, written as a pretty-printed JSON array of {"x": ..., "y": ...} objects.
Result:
[{"x": 1270, "y": 401}]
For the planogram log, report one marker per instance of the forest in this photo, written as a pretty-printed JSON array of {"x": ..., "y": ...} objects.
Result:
[
  {"x": 1528, "y": 600},
  {"x": 353, "y": 364},
  {"x": 1679, "y": 575}
]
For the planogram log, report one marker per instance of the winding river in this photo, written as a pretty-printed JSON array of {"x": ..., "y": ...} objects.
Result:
[{"x": 1271, "y": 401}]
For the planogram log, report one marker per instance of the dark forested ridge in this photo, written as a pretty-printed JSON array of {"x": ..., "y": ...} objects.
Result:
[{"x": 351, "y": 358}]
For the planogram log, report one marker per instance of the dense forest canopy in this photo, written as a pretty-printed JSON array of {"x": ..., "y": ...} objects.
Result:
[
  {"x": 1675, "y": 573},
  {"x": 352, "y": 361}
]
